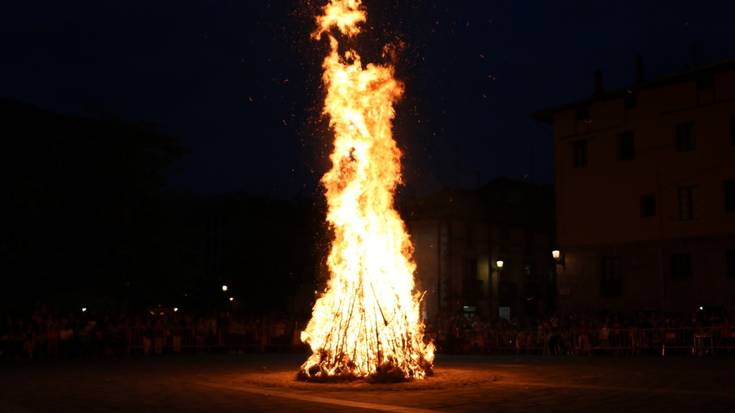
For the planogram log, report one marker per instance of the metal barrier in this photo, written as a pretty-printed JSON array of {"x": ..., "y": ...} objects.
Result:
[
  {"x": 611, "y": 341},
  {"x": 282, "y": 336}
]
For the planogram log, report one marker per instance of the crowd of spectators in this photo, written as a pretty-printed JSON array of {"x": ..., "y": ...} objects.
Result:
[
  {"x": 575, "y": 334},
  {"x": 158, "y": 331}
]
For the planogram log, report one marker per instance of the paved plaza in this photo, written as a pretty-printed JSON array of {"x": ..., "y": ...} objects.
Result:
[{"x": 265, "y": 383}]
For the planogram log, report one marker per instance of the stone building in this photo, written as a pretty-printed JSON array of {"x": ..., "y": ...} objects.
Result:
[{"x": 645, "y": 194}]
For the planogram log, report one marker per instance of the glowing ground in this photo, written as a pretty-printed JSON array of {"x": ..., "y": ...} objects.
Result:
[{"x": 258, "y": 383}]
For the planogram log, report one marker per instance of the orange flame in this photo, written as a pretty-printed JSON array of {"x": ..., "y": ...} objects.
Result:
[{"x": 367, "y": 322}]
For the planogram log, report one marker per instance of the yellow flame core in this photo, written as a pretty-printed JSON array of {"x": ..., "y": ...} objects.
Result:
[{"x": 368, "y": 321}]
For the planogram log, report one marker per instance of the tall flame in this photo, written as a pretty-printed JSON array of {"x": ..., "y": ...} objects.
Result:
[{"x": 367, "y": 323}]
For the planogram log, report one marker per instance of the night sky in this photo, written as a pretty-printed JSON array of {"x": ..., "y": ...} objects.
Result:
[{"x": 238, "y": 81}]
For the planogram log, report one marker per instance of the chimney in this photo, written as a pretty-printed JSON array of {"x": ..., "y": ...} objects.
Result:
[
  {"x": 599, "y": 86},
  {"x": 640, "y": 70}
]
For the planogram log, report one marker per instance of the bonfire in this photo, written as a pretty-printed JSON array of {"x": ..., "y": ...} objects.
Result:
[{"x": 367, "y": 323}]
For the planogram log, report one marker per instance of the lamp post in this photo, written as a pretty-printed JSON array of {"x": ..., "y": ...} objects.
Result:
[
  {"x": 497, "y": 269},
  {"x": 559, "y": 266}
]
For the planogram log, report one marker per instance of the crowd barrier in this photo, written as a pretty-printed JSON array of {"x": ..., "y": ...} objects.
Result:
[
  {"x": 618, "y": 341},
  {"x": 622, "y": 341},
  {"x": 284, "y": 337}
]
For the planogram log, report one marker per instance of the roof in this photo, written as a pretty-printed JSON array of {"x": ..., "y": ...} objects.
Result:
[{"x": 546, "y": 115}]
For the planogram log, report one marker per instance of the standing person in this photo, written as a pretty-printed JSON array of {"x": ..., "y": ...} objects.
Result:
[
  {"x": 585, "y": 344},
  {"x": 264, "y": 334},
  {"x": 158, "y": 336},
  {"x": 604, "y": 336},
  {"x": 66, "y": 339},
  {"x": 52, "y": 337},
  {"x": 176, "y": 340},
  {"x": 4, "y": 337},
  {"x": 201, "y": 333},
  {"x": 28, "y": 336},
  {"x": 296, "y": 335},
  {"x": 38, "y": 336},
  {"x": 148, "y": 338}
]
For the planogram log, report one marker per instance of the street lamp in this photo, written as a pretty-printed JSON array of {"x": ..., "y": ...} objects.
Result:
[
  {"x": 232, "y": 299},
  {"x": 224, "y": 287},
  {"x": 499, "y": 264},
  {"x": 556, "y": 254}
]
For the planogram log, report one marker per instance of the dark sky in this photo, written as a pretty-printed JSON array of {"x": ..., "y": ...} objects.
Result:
[{"x": 238, "y": 81}]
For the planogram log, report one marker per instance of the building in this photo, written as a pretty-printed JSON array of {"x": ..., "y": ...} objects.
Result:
[
  {"x": 486, "y": 251},
  {"x": 645, "y": 194}
]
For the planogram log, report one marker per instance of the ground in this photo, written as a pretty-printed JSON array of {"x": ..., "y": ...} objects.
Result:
[{"x": 265, "y": 383}]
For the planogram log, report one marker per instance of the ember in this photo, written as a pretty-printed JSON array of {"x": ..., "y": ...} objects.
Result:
[{"x": 367, "y": 323}]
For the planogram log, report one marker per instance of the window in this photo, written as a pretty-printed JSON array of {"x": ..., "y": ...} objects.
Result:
[
  {"x": 528, "y": 270},
  {"x": 626, "y": 146},
  {"x": 706, "y": 89},
  {"x": 730, "y": 263},
  {"x": 706, "y": 81},
  {"x": 686, "y": 203},
  {"x": 681, "y": 266},
  {"x": 583, "y": 114},
  {"x": 729, "y": 188},
  {"x": 648, "y": 206},
  {"x": 611, "y": 282},
  {"x": 685, "y": 137},
  {"x": 473, "y": 287},
  {"x": 579, "y": 154},
  {"x": 504, "y": 246},
  {"x": 630, "y": 101}
]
